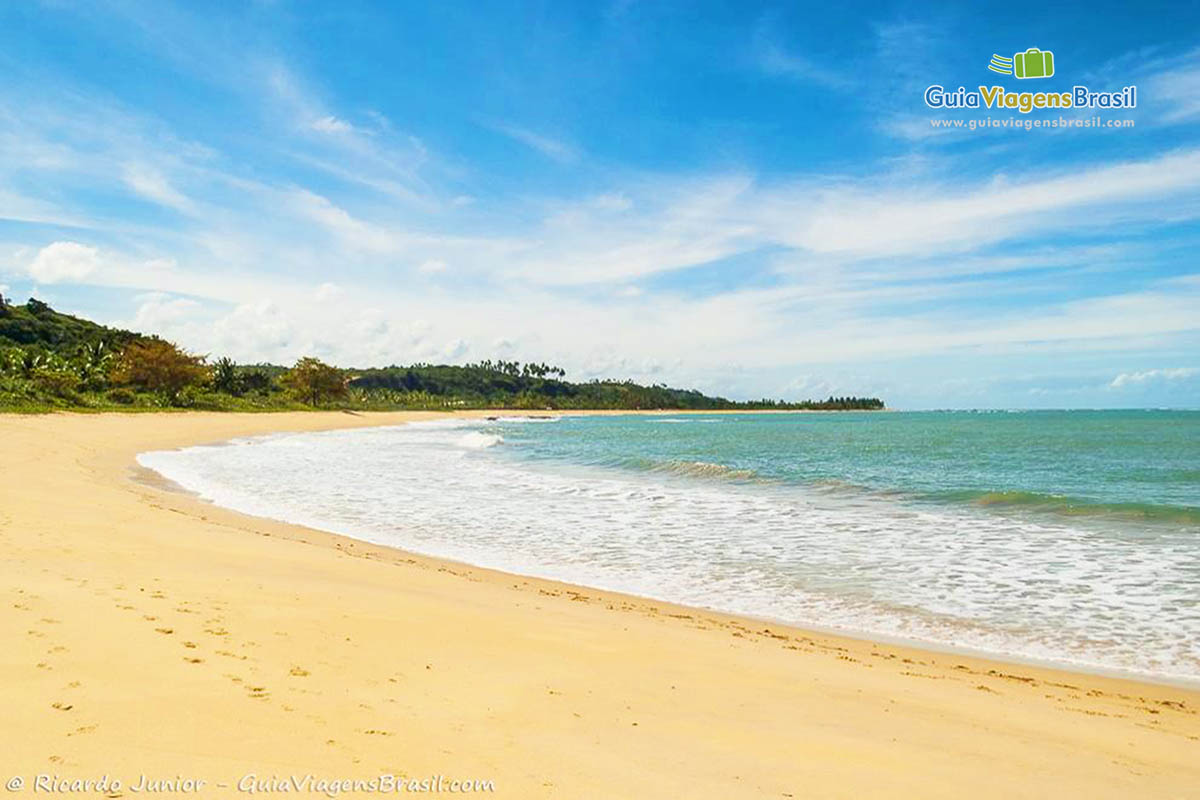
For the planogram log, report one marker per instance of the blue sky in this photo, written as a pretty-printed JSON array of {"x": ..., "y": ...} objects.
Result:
[{"x": 745, "y": 198}]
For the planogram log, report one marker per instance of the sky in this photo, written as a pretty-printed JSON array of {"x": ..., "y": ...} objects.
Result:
[{"x": 751, "y": 199}]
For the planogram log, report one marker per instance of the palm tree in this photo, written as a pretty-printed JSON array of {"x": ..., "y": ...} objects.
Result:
[{"x": 225, "y": 377}]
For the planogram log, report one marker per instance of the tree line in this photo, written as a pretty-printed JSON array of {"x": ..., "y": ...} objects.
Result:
[{"x": 54, "y": 360}]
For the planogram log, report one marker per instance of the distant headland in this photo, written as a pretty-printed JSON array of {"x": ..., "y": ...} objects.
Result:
[{"x": 55, "y": 361}]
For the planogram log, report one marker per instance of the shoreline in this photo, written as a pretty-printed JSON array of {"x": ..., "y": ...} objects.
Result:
[
  {"x": 1160, "y": 717},
  {"x": 156, "y": 480}
]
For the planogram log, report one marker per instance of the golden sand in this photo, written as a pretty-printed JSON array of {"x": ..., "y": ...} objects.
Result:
[{"x": 149, "y": 634}]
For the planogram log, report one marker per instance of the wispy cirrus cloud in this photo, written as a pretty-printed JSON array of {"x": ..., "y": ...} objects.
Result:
[
  {"x": 153, "y": 185},
  {"x": 905, "y": 218},
  {"x": 776, "y": 61},
  {"x": 1168, "y": 83},
  {"x": 775, "y": 57},
  {"x": 1178, "y": 89},
  {"x": 550, "y": 147},
  {"x": 331, "y": 124}
]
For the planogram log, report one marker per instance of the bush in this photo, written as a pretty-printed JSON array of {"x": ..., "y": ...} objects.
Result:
[
  {"x": 161, "y": 367},
  {"x": 197, "y": 398},
  {"x": 57, "y": 383},
  {"x": 122, "y": 397},
  {"x": 256, "y": 381}
]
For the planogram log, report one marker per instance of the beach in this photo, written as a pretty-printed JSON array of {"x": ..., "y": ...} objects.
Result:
[{"x": 151, "y": 634}]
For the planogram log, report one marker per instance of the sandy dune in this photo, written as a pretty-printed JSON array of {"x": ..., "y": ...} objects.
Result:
[{"x": 146, "y": 633}]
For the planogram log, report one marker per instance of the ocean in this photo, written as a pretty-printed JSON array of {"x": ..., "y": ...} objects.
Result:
[{"x": 1063, "y": 537}]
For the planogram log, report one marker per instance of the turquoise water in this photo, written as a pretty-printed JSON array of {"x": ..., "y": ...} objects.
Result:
[
  {"x": 1064, "y": 537},
  {"x": 1128, "y": 465}
]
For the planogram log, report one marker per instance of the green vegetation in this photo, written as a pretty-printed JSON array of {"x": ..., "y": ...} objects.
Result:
[
  {"x": 316, "y": 382},
  {"x": 507, "y": 384},
  {"x": 53, "y": 361}
]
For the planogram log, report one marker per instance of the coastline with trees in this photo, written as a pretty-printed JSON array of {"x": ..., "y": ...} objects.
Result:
[{"x": 54, "y": 361}]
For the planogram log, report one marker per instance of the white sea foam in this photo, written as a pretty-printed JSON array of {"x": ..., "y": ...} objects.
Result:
[
  {"x": 475, "y": 440},
  {"x": 834, "y": 559}
]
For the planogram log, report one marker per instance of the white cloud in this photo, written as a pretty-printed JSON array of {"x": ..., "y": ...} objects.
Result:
[
  {"x": 64, "y": 261},
  {"x": 337, "y": 220},
  {"x": 550, "y": 147},
  {"x": 159, "y": 311},
  {"x": 328, "y": 292},
  {"x": 917, "y": 128},
  {"x": 774, "y": 60},
  {"x": 1168, "y": 83},
  {"x": 865, "y": 221},
  {"x": 385, "y": 160},
  {"x": 261, "y": 328},
  {"x": 433, "y": 265},
  {"x": 454, "y": 349},
  {"x": 331, "y": 124},
  {"x": 418, "y": 331},
  {"x": 613, "y": 201},
  {"x": 1179, "y": 89},
  {"x": 1153, "y": 375},
  {"x": 151, "y": 184},
  {"x": 687, "y": 222},
  {"x": 679, "y": 224},
  {"x": 804, "y": 387},
  {"x": 371, "y": 324}
]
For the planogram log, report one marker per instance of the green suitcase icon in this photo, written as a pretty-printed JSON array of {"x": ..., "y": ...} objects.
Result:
[{"x": 1033, "y": 63}]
